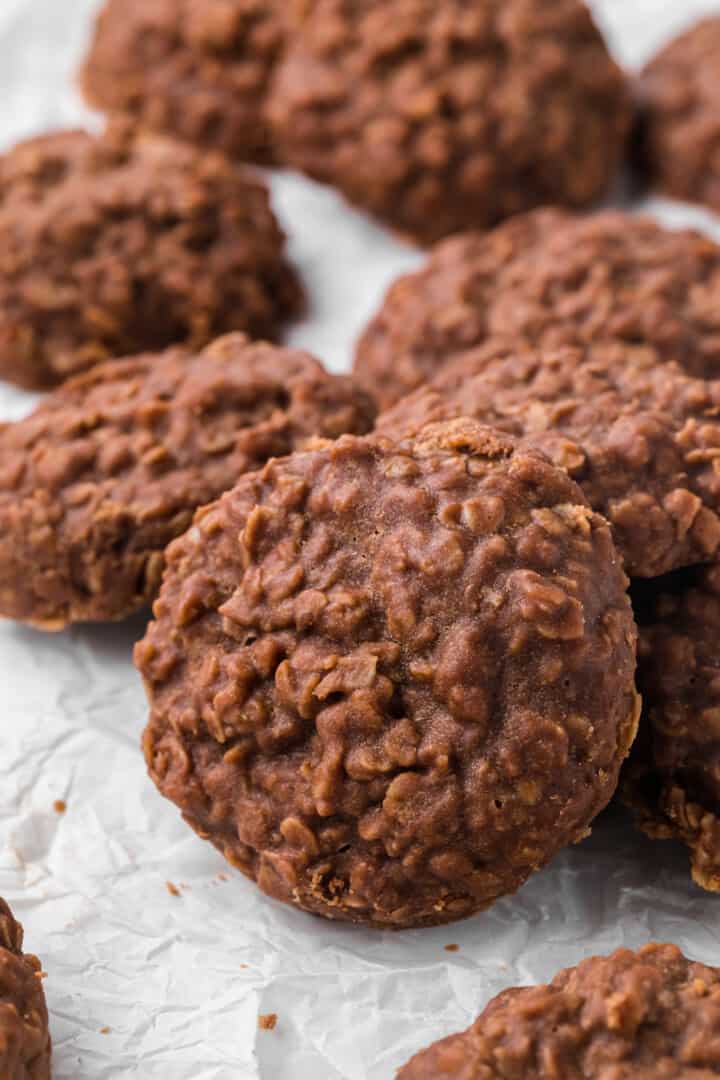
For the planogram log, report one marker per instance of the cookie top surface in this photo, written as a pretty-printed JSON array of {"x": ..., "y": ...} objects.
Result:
[
  {"x": 679, "y": 95},
  {"x": 196, "y": 69},
  {"x": 645, "y": 1015},
  {"x": 112, "y": 465},
  {"x": 116, "y": 244},
  {"x": 547, "y": 279},
  {"x": 673, "y": 778},
  {"x": 642, "y": 439},
  {"x": 443, "y": 117},
  {"x": 354, "y": 652},
  {"x": 24, "y": 1035}
]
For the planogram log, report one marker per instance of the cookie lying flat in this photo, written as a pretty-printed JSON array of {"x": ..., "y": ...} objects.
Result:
[
  {"x": 548, "y": 279},
  {"x": 112, "y": 466},
  {"x": 673, "y": 779},
  {"x": 24, "y": 1035},
  {"x": 440, "y": 117},
  {"x": 197, "y": 69},
  {"x": 116, "y": 245},
  {"x": 645, "y": 1015},
  {"x": 641, "y": 439},
  {"x": 679, "y": 94},
  {"x": 389, "y": 681}
]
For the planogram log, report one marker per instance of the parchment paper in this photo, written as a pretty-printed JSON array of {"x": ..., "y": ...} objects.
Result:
[{"x": 142, "y": 983}]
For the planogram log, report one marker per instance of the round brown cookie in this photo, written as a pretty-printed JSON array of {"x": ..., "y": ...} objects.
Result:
[
  {"x": 679, "y": 128},
  {"x": 198, "y": 69},
  {"x": 645, "y": 1015},
  {"x": 112, "y": 466},
  {"x": 118, "y": 244},
  {"x": 641, "y": 439},
  {"x": 390, "y": 681},
  {"x": 24, "y": 1035},
  {"x": 672, "y": 780},
  {"x": 440, "y": 117},
  {"x": 548, "y": 279}
]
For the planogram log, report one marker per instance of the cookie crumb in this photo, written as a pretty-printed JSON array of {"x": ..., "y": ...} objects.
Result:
[
  {"x": 59, "y": 806},
  {"x": 105, "y": 1030},
  {"x": 452, "y": 948},
  {"x": 172, "y": 889},
  {"x": 267, "y": 1021}
]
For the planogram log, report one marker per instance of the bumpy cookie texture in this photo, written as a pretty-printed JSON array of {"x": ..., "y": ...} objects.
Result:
[
  {"x": 549, "y": 278},
  {"x": 672, "y": 780},
  {"x": 197, "y": 69},
  {"x": 116, "y": 245},
  {"x": 439, "y": 117},
  {"x": 679, "y": 128},
  {"x": 24, "y": 1035},
  {"x": 389, "y": 681},
  {"x": 645, "y": 1015},
  {"x": 112, "y": 466},
  {"x": 642, "y": 439}
]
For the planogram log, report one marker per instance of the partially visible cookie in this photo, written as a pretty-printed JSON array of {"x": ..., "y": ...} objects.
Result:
[
  {"x": 196, "y": 69},
  {"x": 641, "y": 439},
  {"x": 441, "y": 117},
  {"x": 116, "y": 244},
  {"x": 679, "y": 129},
  {"x": 112, "y": 466},
  {"x": 24, "y": 1036},
  {"x": 548, "y": 279},
  {"x": 672, "y": 781},
  {"x": 390, "y": 680},
  {"x": 645, "y": 1015}
]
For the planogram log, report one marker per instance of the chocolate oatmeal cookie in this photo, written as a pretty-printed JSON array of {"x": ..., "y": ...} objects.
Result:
[
  {"x": 641, "y": 439},
  {"x": 645, "y": 1015},
  {"x": 118, "y": 244},
  {"x": 112, "y": 466},
  {"x": 673, "y": 779},
  {"x": 24, "y": 1034},
  {"x": 440, "y": 117},
  {"x": 390, "y": 680},
  {"x": 679, "y": 129},
  {"x": 547, "y": 279},
  {"x": 197, "y": 69}
]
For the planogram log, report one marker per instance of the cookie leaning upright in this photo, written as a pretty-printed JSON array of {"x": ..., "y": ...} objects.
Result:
[
  {"x": 391, "y": 680},
  {"x": 645, "y": 1015},
  {"x": 196, "y": 69},
  {"x": 112, "y": 465},
  {"x": 24, "y": 1036},
  {"x": 440, "y": 117},
  {"x": 679, "y": 109},
  {"x": 672, "y": 781},
  {"x": 547, "y": 279},
  {"x": 120, "y": 244}
]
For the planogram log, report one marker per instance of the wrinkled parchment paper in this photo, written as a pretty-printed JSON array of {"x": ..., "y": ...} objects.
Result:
[{"x": 143, "y": 983}]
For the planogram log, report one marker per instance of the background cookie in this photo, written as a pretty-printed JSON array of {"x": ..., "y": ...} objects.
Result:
[
  {"x": 112, "y": 466},
  {"x": 646, "y": 1015},
  {"x": 673, "y": 778},
  {"x": 390, "y": 681},
  {"x": 641, "y": 439},
  {"x": 197, "y": 69},
  {"x": 443, "y": 117},
  {"x": 549, "y": 278},
  {"x": 24, "y": 1036},
  {"x": 115, "y": 245},
  {"x": 679, "y": 132}
]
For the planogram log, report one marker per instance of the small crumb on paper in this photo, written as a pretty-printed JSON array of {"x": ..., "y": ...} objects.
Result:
[
  {"x": 59, "y": 806},
  {"x": 267, "y": 1021},
  {"x": 105, "y": 1030},
  {"x": 452, "y": 948},
  {"x": 172, "y": 889}
]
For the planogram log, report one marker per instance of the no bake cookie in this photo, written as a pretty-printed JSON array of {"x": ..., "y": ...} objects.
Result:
[
  {"x": 112, "y": 466},
  {"x": 390, "y": 680},
  {"x": 24, "y": 1035},
  {"x": 115, "y": 245}
]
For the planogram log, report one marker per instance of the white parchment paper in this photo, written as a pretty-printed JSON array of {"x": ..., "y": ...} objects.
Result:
[{"x": 145, "y": 984}]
